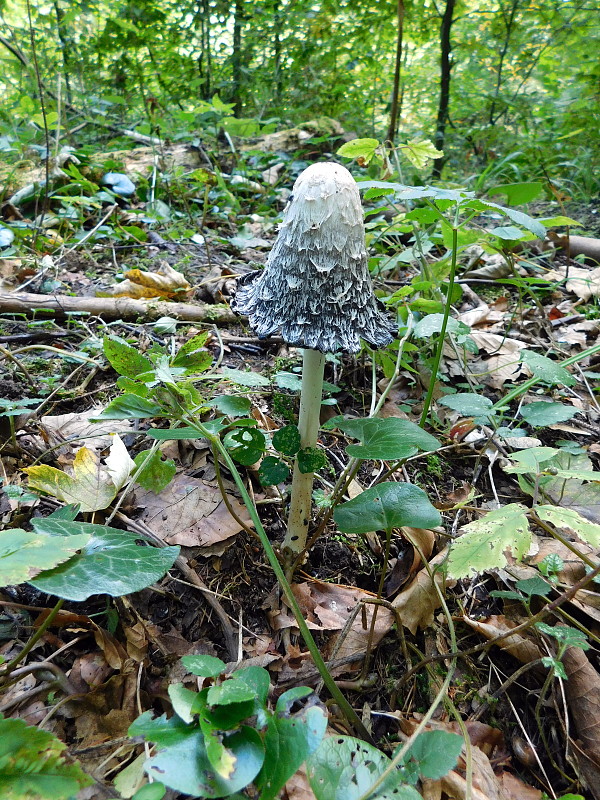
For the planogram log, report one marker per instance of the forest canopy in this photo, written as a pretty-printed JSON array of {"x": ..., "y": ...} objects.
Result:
[{"x": 487, "y": 81}]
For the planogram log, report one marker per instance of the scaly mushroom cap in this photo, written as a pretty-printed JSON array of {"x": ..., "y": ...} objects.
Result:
[{"x": 315, "y": 287}]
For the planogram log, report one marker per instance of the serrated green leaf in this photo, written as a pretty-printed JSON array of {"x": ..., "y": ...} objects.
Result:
[
  {"x": 287, "y": 440},
  {"x": 546, "y": 370},
  {"x": 387, "y": 439},
  {"x": 104, "y": 565},
  {"x": 33, "y": 765},
  {"x": 273, "y": 471},
  {"x": 386, "y": 506},
  {"x": 24, "y": 554},
  {"x": 544, "y": 412},
  {"x": 569, "y": 518},
  {"x": 124, "y": 358},
  {"x": 359, "y": 148},
  {"x": 483, "y": 543},
  {"x": 420, "y": 153},
  {"x": 157, "y": 473}
]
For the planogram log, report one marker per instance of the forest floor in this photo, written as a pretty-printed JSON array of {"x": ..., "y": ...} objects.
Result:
[{"x": 114, "y": 658}]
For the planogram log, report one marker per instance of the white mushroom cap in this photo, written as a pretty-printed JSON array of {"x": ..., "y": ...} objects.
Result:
[{"x": 315, "y": 287}]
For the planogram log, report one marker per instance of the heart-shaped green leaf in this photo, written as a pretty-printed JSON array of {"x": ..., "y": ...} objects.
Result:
[{"x": 386, "y": 506}]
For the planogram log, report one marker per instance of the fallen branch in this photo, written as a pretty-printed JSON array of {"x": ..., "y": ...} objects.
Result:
[{"x": 112, "y": 308}]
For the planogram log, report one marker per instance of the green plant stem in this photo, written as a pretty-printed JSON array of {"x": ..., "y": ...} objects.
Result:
[
  {"x": 524, "y": 387},
  {"x": 350, "y": 714},
  {"x": 440, "y": 342},
  {"x": 313, "y": 366},
  {"x": 7, "y": 354},
  {"x": 8, "y": 668},
  {"x": 386, "y": 559}
]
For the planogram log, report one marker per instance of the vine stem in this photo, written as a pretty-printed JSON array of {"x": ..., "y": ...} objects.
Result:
[
  {"x": 347, "y": 710},
  {"x": 440, "y": 343}
]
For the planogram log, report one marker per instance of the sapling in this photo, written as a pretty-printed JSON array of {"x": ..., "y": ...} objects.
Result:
[{"x": 316, "y": 289}]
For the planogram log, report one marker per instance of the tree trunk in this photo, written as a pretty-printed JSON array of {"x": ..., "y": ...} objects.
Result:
[
  {"x": 395, "y": 110},
  {"x": 236, "y": 58},
  {"x": 65, "y": 48},
  {"x": 445, "y": 75},
  {"x": 509, "y": 19}
]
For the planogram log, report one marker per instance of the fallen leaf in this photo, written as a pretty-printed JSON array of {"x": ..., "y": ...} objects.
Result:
[
  {"x": 165, "y": 282},
  {"x": 190, "y": 512},
  {"x": 521, "y": 648},
  {"x": 64, "y": 427},
  {"x": 582, "y": 281},
  {"x": 418, "y": 602}
]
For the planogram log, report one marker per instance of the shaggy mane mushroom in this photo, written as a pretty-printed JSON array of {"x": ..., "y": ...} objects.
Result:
[{"x": 316, "y": 290}]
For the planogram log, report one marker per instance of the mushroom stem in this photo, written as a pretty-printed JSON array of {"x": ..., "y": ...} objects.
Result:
[{"x": 313, "y": 365}]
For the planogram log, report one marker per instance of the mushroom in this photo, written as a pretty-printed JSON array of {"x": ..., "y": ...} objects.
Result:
[{"x": 316, "y": 290}]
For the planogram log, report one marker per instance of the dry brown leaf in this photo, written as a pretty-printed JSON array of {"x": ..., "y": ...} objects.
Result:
[
  {"x": 418, "y": 602},
  {"x": 521, "y": 648},
  {"x": 165, "y": 282},
  {"x": 583, "y": 697},
  {"x": 516, "y": 789},
  {"x": 298, "y": 787},
  {"x": 190, "y": 512},
  {"x": 503, "y": 363},
  {"x": 95, "y": 435},
  {"x": 485, "y": 784},
  {"x": 582, "y": 281}
]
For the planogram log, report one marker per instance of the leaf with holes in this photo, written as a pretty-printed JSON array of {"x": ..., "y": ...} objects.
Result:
[{"x": 484, "y": 543}]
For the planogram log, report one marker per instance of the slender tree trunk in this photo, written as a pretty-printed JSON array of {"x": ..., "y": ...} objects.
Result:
[
  {"x": 445, "y": 75},
  {"x": 65, "y": 48},
  {"x": 236, "y": 58},
  {"x": 204, "y": 59},
  {"x": 509, "y": 19},
  {"x": 277, "y": 52},
  {"x": 395, "y": 110}
]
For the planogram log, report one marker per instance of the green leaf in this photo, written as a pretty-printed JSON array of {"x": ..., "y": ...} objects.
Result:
[
  {"x": 426, "y": 327},
  {"x": 386, "y": 439},
  {"x": 273, "y": 471},
  {"x": 250, "y": 379},
  {"x": 508, "y": 232},
  {"x": 569, "y": 518},
  {"x": 420, "y": 153},
  {"x": 359, "y": 148},
  {"x": 518, "y": 193},
  {"x": 530, "y": 461},
  {"x": 33, "y": 765},
  {"x": 157, "y": 473},
  {"x": 483, "y": 543},
  {"x": 24, "y": 554},
  {"x": 288, "y": 380},
  {"x": 560, "y": 220},
  {"x": 386, "y": 506},
  {"x": 231, "y": 404},
  {"x": 544, "y": 413},
  {"x": 192, "y": 357},
  {"x": 287, "y": 440},
  {"x": 125, "y": 359},
  {"x": 151, "y": 791},
  {"x": 104, "y": 565},
  {"x": 570, "y": 637},
  {"x": 546, "y": 370},
  {"x": 204, "y": 666},
  {"x": 311, "y": 459},
  {"x": 129, "y": 406},
  {"x": 344, "y": 768},
  {"x": 164, "y": 732},
  {"x": 246, "y": 445},
  {"x": 435, "y": 753},
  {"x": 467, "y": 404},
  {"x": 534, "y": 587},
  {"x": 289, "y": 740},
  {"x": 130, "y": 386},
  {"x": 182, "y": 700},
  {"x": 232, "y": 690},
  {"x": 185, "y": 766},
  {"x": 518, "y": 217},
  {"x": 377, "y": 192}
]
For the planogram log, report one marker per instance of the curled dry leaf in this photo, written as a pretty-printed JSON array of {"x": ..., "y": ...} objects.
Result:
[
  {"x": 583, "y": 696},
  {"x": 165, "y": 282},
  {"x": 418, "y": 602},
  {"x": 191, "y": 512},
  {"x": 582, "y": 281},
  {"x": 520, "y": 647}
]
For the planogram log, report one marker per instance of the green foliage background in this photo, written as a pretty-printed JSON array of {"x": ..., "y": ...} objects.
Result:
[{"x": 524, "y": 73}]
